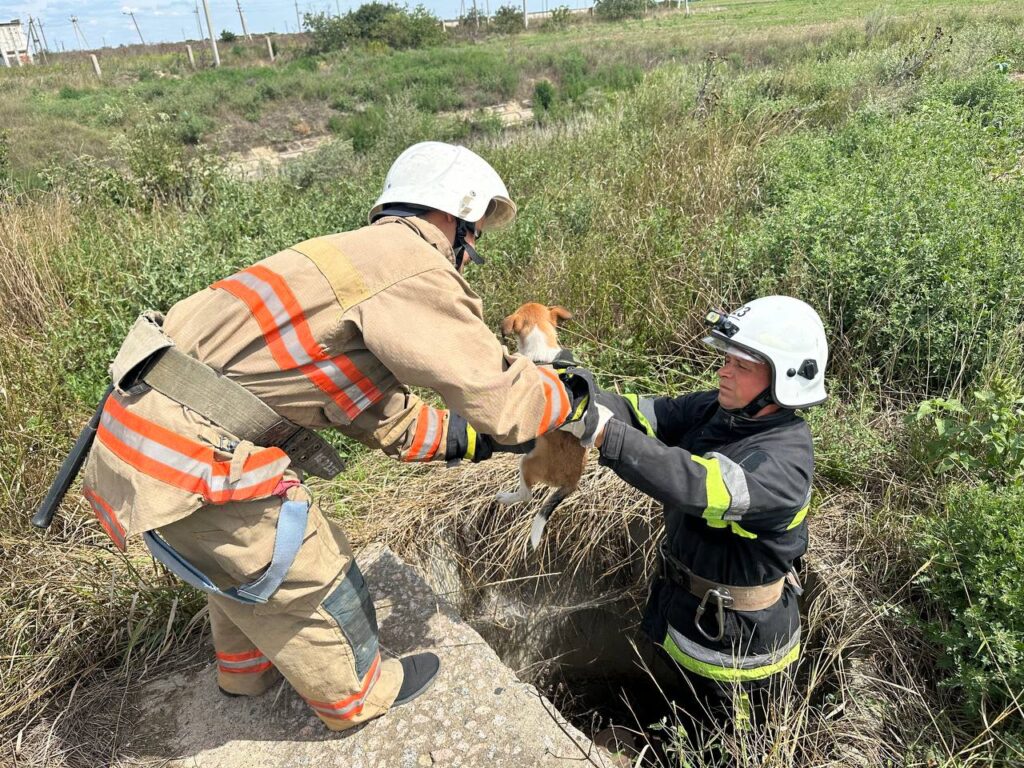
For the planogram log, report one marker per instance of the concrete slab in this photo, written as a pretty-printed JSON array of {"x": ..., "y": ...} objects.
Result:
[{"x": 477, "y": 713}]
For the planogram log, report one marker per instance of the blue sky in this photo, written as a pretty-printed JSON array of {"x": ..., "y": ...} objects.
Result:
[{"x": 169, "y": 20}]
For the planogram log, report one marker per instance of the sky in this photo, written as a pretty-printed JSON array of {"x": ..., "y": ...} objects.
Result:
[{"x": 105, "y": 21}]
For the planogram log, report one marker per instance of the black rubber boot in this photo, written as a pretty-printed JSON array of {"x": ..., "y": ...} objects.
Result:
[{"x": 420, "y": 670}]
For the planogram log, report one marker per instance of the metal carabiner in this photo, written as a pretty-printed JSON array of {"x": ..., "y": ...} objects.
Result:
[{"x": 724, "y": 599}]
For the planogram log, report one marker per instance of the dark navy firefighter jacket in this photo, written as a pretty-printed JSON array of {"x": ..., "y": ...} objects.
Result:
[{"x": 735, "y": 492}]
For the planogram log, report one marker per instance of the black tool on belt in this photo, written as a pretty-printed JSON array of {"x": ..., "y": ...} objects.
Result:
[{"x": 70, "y": 468}]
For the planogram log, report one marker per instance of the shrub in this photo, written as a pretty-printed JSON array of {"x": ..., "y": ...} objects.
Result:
[
  {"x": 6, "y": 183},
  {"x": 975, "y": 545},
  {"x": 329, "y": 33},
  {"x": 508, "y": 20},
  {"x": 543, "y": 95},
  {"x": 984, "y": 439},
  {"x": 907, "y": 228},
  {"x": 380, "y": 23},
  {"x": 612, "y": 10},
  {"x": 560, "y": 18},
  {"x": 227, "y": 36}
]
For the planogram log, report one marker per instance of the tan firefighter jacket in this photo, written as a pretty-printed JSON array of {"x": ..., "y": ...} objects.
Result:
[{"x": 328, "y": 333}]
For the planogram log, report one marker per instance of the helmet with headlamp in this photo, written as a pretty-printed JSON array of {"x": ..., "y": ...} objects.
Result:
[{"x": 783, "y": 332}]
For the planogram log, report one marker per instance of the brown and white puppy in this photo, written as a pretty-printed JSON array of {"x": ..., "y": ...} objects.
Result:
[{"x": 557, "y": 459}]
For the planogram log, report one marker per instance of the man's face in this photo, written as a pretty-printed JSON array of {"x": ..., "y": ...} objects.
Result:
[{"x": 740, "y": 381}]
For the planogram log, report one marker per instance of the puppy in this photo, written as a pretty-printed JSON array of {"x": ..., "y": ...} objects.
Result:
[{"x": 557, "y": 459}]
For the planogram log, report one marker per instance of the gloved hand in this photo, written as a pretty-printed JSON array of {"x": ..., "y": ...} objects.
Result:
[
  {"x": 464, "y": 442},
  {"x": 585, "y": 423},
  {"x": 590, "y": 427}
]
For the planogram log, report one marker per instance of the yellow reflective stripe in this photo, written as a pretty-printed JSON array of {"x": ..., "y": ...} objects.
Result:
[
  {"x": 470, "y": 443},
  {"x": 736, "y": 528},
  {"x": 718, "y": 493},
  {"x": 578, "y": 414},
  {"x": 634, "y": 403},
  {"x": 728, "y": 674},
  {"x": 799, "y": 518}
]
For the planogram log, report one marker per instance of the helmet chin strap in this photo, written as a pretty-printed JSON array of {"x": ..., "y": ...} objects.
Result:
[
  {"x": 461, "y": 247},
  {"x": 751, "y": 409}
]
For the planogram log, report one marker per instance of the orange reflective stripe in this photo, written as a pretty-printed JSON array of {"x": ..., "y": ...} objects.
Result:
[
  {"x": 255, "y": 653},
  {"x": 291, "y": 343},
  {"x": 105, "y": 514},
  {"x": 426, "y": 441},
  {"x": 170, "y": 458},
  {"x": 349, "y": 707},
  {"x": 556, "y": 401}
]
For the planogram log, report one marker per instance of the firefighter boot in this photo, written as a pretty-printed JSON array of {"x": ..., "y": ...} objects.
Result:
[{"x": 419, "y": 669}]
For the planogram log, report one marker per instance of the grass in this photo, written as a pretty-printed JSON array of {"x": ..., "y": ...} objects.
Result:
[
  {"x": 240, "y": 104},
  {"x": 814, "y": 140}
]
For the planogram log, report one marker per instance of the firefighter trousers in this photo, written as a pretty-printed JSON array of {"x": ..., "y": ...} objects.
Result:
[{"x": 318, "y": 630}]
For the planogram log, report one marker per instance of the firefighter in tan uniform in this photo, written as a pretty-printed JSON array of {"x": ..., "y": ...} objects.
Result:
[{"x": 328, "y": 333}]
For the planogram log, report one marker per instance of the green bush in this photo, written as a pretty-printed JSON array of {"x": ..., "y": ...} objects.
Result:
[
  {"x": 543, "y": 95},
  {"x": 227, "y": 36},
  {"x": 612, "y": 10},
  {"x": 329, "y": 33},
  {"x": 907, "y": 228},
  {"x": 559, "y": 18},
  {"x": 984, "y": 439},
  {"x": 374, "y": 23},
  {"x": 975, "y": 546},
  {"x": 508, "y": 20}
]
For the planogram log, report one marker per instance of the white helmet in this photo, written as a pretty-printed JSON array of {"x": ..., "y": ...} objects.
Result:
[
  {"x": 447, "y": 178},
  {"x": 785, "y": 332}
]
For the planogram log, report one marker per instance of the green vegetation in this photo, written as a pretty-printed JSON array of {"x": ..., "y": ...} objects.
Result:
[{"x": 864, "y": 162}]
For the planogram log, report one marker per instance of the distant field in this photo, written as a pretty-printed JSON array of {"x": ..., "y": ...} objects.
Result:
[{"x": 55, "y": 112}]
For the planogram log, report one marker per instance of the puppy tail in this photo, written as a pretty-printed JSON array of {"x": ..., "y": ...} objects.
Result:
[{"x": 541, "y": 518}]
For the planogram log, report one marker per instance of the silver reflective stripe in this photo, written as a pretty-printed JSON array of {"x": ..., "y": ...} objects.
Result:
[
  {"x": 290, "y": 339},
  {"x": 646, "y": 405},
  {"x": 730, "y": 660},
  {"x": 200, "y": 471},
  {"x": 736, "y": 483},
  {"x": 433, "y": 427},
  {"x": 256, "y": 661}
]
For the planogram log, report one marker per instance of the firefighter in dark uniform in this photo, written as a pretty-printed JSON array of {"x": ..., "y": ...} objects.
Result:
[{"x": 733, "y": 469}]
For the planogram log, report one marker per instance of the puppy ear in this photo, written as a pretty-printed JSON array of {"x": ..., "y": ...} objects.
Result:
[
  {"x": 559, "y": 313},
  {"x": 512, "y": 325},
  {"x": 506, "y": 326}
]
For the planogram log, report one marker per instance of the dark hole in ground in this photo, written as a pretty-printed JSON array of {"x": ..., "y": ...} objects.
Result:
[{"x": 577, "y": 646}]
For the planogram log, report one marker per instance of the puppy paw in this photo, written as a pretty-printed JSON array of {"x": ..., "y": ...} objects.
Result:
[{"x": 510, "y": 497}]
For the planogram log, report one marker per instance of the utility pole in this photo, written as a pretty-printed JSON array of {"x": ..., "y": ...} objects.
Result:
[
  {"x": 39, "y": 25},
  {"x": 199, "y": 22},
  {"x": 34, "y": 33},
  {"x": 78, "y": 32},
  {"x": 526, "y": 16},
  {"x": 298, "y": 19},
  {"x": 338, "y": 3},
  {"x": 132, "y": 14},
  {"x": 476, "y": 15},
  {"x": 209, "y": 26},
  {"x": 245, "y": 29}
]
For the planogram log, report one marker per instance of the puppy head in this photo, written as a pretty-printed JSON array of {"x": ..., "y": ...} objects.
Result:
[{"x": 535, "y": 327}]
